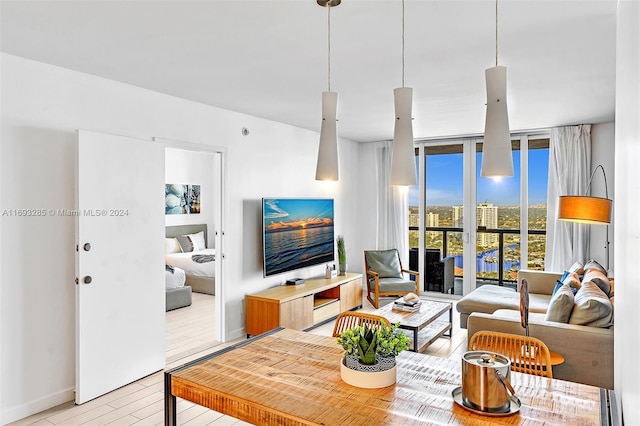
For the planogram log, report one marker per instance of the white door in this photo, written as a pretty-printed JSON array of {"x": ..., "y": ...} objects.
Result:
[{"x": 120, "y": 295}]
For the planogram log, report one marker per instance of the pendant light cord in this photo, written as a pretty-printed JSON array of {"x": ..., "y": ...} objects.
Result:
[
  {"x": 402, "y": 43},
  {"x": 329, "y": 46},
  {"x": 496, "y": 33}
]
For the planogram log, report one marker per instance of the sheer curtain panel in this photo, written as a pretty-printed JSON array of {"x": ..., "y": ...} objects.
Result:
[
  {"x": 392, "y": 207},
  {"x": 569, "y": 171}
]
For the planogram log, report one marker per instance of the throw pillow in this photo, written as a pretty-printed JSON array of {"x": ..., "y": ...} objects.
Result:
[
  {"x": 171, "y": 245},
  {"x": 559, "y": 284},
  {"x": 573, "y": 280},
  {"x": 577, "y": 268},
  {"x": 560, "y": 305},
  {"x": 592, "y": 264},
  {"x": 592, "y": 307},
  {"x": 198, "y": 241},
  {"x": 598, "y": 278},
  {"x": 185, "y": 243}
]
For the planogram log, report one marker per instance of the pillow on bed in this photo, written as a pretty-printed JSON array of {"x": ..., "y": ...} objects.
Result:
[
  {"x": 185, "y": 243},
  {"x": 198, "y": 241},
  {"x": 192, "y": 242},
  {"x": 171, "y": 245}
]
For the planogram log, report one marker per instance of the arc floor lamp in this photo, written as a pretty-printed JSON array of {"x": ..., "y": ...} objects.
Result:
[{"x": 588, "y": 209}]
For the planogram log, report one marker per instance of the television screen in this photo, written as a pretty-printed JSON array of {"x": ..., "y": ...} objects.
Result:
[{"x": 296, "y": 233}]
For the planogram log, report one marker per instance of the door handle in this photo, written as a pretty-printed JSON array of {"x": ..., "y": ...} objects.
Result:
[
  {"x": 87, "y": 279},
  {"x": 86, "y": 246}
]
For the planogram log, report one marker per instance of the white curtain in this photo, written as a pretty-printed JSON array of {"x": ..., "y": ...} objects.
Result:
[
  {"x": 392, "y": 207},
  {"x": 569, "y": 171}
]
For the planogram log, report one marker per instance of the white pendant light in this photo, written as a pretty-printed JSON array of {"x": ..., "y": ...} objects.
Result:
[
  {"x": 327, "y": 166},
  {"x": 497, "y": 159},
  {"x": 403, "y": 159}
]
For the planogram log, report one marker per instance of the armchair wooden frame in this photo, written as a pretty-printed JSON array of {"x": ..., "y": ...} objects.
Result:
[
  {"x": 351, "y": 319},
  {"x": 527, "y": 354},
  {"x": 373, "y": 277}
]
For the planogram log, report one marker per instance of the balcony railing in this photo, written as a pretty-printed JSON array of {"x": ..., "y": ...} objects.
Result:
[{"x": 445, "y": 231}]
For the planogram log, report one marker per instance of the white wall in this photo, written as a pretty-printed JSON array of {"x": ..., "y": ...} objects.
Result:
[
  {"x": 627, "y": 172},
  {"x": 603, "y": 152},
  {"x": 193, "y": 168},
  {"x": 42, "y": 105}
]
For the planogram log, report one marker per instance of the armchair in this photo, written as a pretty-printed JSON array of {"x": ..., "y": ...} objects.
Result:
[
  {"x": 438, "y": 273},
  {"x": 385, "y": 275}
]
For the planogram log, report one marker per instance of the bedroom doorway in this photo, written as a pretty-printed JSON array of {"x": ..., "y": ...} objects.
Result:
[{"x": 193, "y": 248}]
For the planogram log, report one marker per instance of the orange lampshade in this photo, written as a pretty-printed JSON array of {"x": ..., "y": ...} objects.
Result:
[{"x": 584, "y": 209}]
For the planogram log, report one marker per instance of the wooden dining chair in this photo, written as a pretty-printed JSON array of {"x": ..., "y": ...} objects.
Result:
[
  {"x": 351, "y": 319},
  {"x": 527, "y": 354}
]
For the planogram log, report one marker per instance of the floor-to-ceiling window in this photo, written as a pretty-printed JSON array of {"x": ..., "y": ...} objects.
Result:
[{"x": 474, "y": 226}]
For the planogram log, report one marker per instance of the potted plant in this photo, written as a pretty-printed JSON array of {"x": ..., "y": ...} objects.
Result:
[
  {"x": 359, "y": 344},
  {"x": 390, "y": 342},
  {"x": 342, "y": 255},
  {"x": 369, "y": 355}
]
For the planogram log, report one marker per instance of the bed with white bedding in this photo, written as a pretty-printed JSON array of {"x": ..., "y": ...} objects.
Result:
[
  {"x": 186, "y": 248},
  {"x": 177, "y": 294}
]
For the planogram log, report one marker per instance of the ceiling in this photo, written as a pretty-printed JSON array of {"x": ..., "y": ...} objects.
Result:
[{"x": 268, "y": 58}]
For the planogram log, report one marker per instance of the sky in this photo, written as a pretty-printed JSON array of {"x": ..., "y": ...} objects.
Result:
[
  {"x": 444, "y": 177},
  {"x": 291, "y": 213}
]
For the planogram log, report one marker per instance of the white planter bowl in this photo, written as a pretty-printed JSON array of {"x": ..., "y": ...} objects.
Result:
[{"x": 367, "y": 380}]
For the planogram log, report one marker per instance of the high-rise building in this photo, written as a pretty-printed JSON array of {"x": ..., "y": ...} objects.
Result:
[
  {"x": 487, "y": 216},
  {"x": 433, "y": 219},
  {"x": 457, "y": 216},
  {"x": 413, "y": 216}
]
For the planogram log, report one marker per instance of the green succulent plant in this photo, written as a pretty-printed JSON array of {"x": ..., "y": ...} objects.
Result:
[
  {"x": 348, "y": 339},
  {"x": 390, "y": 340},
  {"x": 359, "y": 341},
  {"x": 367, "y": 345},
  {"x": 366, "y": 342},
  {"x": 342, "y": 252}
]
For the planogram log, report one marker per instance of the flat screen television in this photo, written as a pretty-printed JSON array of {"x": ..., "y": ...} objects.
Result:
[{"x": 296, "y": 233}]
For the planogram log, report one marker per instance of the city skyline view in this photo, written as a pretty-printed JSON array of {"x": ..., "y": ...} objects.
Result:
[
  {"x": 497, "y": 207},
  {"x": 444, "y": 181}
]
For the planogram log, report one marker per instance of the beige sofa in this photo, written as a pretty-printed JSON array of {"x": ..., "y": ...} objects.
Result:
[{"x": 588, "y": 351}]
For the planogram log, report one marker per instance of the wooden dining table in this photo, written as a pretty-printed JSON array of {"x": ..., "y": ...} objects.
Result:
[{"x": 289, "y": 377}]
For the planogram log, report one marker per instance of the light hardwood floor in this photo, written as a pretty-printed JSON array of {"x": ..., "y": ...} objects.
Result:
[
  {"x": 142, "y": 402},
  {"x": 191, "y": 329}
]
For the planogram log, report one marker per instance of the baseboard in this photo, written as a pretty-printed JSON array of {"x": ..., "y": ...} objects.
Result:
[
  {"x": 238, "y": 333},
  {"x": 34, "y": 407}
]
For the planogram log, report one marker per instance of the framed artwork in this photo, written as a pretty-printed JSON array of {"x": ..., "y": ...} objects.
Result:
[{"x": 181, "y": 199}]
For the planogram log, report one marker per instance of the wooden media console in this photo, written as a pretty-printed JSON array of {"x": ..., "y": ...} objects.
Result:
[{"x": 302, "y": 306}]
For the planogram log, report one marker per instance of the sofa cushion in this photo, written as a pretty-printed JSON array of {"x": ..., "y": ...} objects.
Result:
[
  {"x": 390, "y": 285},
  {"x": 592, "y": 307},
  {"x": 385, "y": 262},
  {"x": 561, "y": 305},
  {"x": 489, "y": 298}
]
